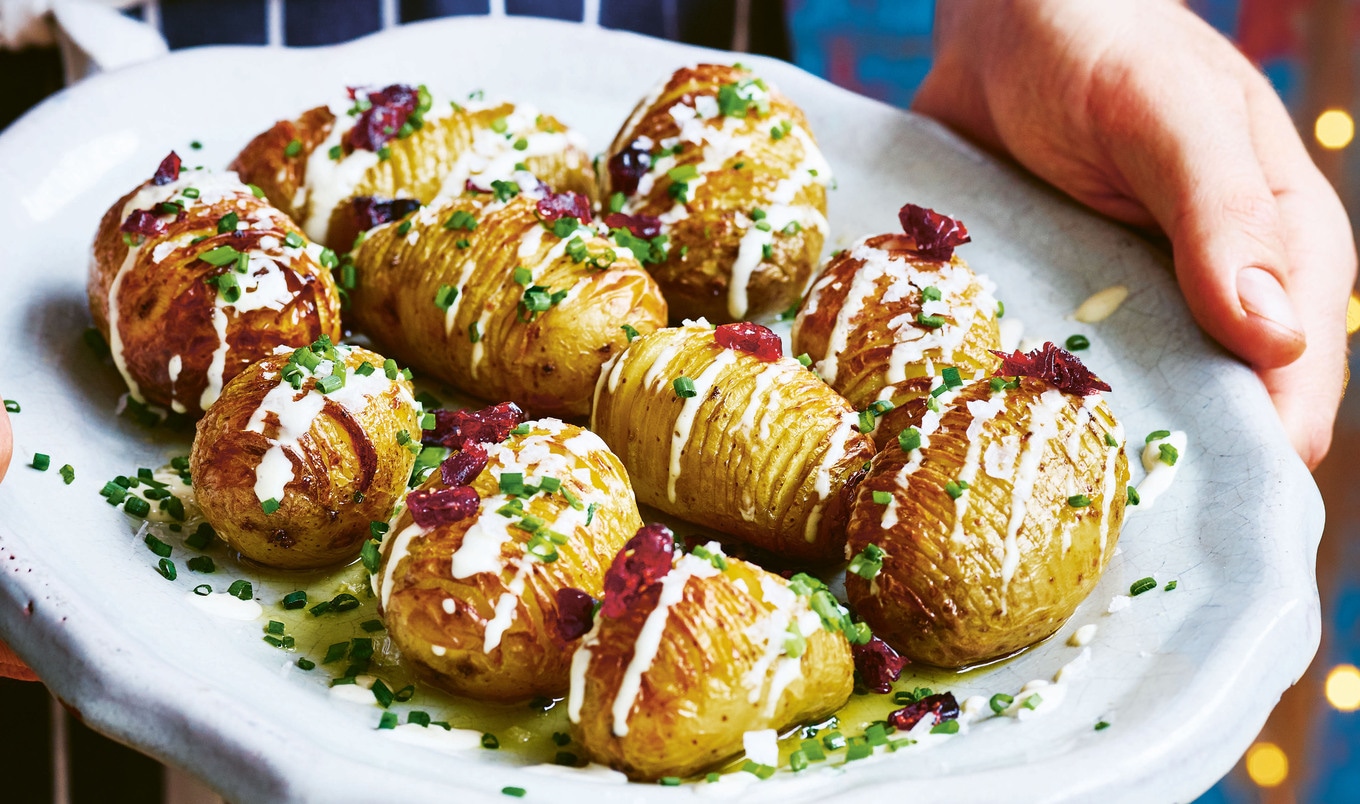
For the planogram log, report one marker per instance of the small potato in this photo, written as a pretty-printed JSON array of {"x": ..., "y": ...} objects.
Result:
[
  {"x": 882, "y": 320},
  {"x": 996, "y": 526},
  {"x": 764, "y": 451},
  {"x": 728, "y": 167},
  {"x": 715, "y": 648},
  {"x": 291, "y": 475},
  {"x": 471, "y": 603},
  {"x": 490, "y": 299},
  {"x": 194, "y": 278},
  {"x": 315, "y": 167}
]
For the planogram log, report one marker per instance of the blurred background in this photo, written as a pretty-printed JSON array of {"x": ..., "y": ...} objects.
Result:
[{"x": 1309, "y": 751}]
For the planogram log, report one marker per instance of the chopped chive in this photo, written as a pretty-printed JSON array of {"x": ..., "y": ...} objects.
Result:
[
  {"x": 930, "y": 321},
  {"x": 166, "y": 568},
  {"x": 629, "y": 331},
  {"x": 418, "y": 717},
  {"x": 956, "y": 488},
  {"x": 1170, "y": 585},
  {"x": 684, "y": 387},
  {"x": 11, "y": 406},
  {"x": 1032, "y": 702},
  {"x": 336, "y": 652},
  {"x": 157, "y": 546},
  {"x": 858, "y": 748},
  {"x": 1101, "y": 725},
  {"x": 869, "y": 562},
  {"x": 1156, "y": 434},
  {"x": 203, "y": 590},
  {"x": 1000, "y": 701},
  {"x": 812, "y": 749},
  {"x": 295, "y": 600},
  {"x": 41, "y": 461},
  {"x": 255, "y": 191},
  {"x": 951, "y": 377},
  {"x": 274, "y": 627},
  {"x": 294, "y": 240},
  {"x": 269, "y": 506},
  {"x": 371, "y": 625},
  {"x": 1134, "y": 499},
  {"x": 203, "y": 564},
  {"x": 1168, "y": 454},
  {"x": 382, "y": 693},
  {"x": 1110, "y": 440},
  {"x": 945, "y": 727},
  {"x": 759, "y": 770},
  {"x": 1076, "y": 343},
  {"x": 931, "y": 293},
  {"x": 293, "y": 148},
  {"x": 370, "y": 556},
  {"x": 474, "y": 332},
  {"x": 668, "y": 781},
  {"x": 1143, "y": 585},
  {"x": 489, "y": 741},
  {"x": 833, "y": 741},
  {"x": 241, "y": 590},
  {"x": 516, "y": 792},
  {"x": 388, "y": 720},
  {"x": 137, "y": 507},
  {"x": 805, "y": 360},
  {"x": 882, "y": 497},
  {"x": 335, "y": 152},
  {"x": 305, "y": 663},
  {"x": 909, "y": 439},
  {"x": 202, "y": 537},
  {"x": 1079, "y": 501}
]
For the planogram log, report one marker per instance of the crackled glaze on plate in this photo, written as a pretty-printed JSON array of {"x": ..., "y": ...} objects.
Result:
[{"x": 1187, "y": 677}]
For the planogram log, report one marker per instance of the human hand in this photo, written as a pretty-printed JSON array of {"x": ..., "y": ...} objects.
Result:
[{"x": 1140, "y": 110}]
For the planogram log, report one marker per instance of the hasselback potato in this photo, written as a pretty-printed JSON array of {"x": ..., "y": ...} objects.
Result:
[
  {"x": 891, "y": 312},
  {"x": 684, "y": 659},
  {"x": 725, "y": 167},
  {"x": 378, "y": 153},
  {"x": 303, "y": 451},
  {"x": 469, "y": 593},
  {"x": 502, "y": 302},
  {"x": 716, "y": 427},
  {"x": 982, "y": 528},
  {"x": 194, "y": 278}
]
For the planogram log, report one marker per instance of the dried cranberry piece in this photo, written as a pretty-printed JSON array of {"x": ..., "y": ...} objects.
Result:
[
  {"x": 369, "y": 211},
  {"x": 461, "y": 467},
  {"x": 390, "y": 107},
  {"x": 575, "y": 614},
  {"x": 143, "y": 222},
  {"x": 641, "y": 564},
  {"x": 627, "y": 167},
  {"x": 878, "y": 664},
  {"x": 754, "y": 339},
  {"x": 943, "y": 707},
  {"x": 1058, "y": 367},
  {"x": 564, "y": 205},
  {"x": 934, "y": 235},
  {"x": 168, "y": 170},
  {"x": 457, "y": 428},
  {"x": 644, "y": 226},
  {"x": 436, "y": 507}
]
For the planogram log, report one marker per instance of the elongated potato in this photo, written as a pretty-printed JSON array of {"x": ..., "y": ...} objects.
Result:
[
  {"x": 488, "y": 298},
  {"x": 290, "y": 466},
  {"x": 882, "y": 317},
  {"x": 471, "y": 603},
  {"x": 730, "y": 170},
  {"x": 764, "y": 451},
  {"x": 401, "y": 142},
  {"x": 996, "y": 527},
  {"x": 717, "y": 648},
  {"x": 194, "y": 278}
]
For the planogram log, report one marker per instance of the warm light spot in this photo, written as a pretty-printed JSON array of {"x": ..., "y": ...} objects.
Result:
[
  {"x": 1353, "y": 314},
  {"x": 1334, "y": 129},
  {"x": 1343, "y": 686},
  {"x": 1267, "y": 765}
]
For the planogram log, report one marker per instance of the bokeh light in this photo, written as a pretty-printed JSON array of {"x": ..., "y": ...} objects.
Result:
[
  {"x": 1343, "y": 687},
  {"x": 1334, "y": 129},
  {"x": 1267, "y": 765}
]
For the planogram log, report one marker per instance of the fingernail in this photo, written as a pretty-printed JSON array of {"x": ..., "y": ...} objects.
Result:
[{"x": 1263, "y": 296}]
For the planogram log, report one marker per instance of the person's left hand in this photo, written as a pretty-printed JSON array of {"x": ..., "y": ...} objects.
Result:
[{"x": 1141, "y": 111}]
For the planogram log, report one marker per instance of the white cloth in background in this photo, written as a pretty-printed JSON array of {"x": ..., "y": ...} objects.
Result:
[{"x": 92, "y": 35}]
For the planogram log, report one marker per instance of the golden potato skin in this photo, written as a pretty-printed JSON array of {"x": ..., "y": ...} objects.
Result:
[
  {"x": 943, "y": 596},
  {"x": 699, "y": 275},
  {"x": 156, "y": 297},
  {"x": 348, "y": 450},
  {"x": 770, "y": 454},
  {"x": 860, "y": 325},
  {"x": 440, "y": 622},
  {"x": 547, "y": 365},
  {"x": 417, "y": 165},
  {"x": 693, "y": 704}
]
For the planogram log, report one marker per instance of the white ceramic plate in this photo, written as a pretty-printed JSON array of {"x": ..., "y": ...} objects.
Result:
[{"x": 1186, "y": 677}]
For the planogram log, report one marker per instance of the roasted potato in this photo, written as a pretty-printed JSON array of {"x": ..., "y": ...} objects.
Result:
[
  {"x": 999, "y": 520},
  {"x": 194, "y": 278},
  {"x": 303, "y": 451},
  {"x": 337, "y": 168},
  {"x": 883, "y": 319},
  {"x": 500, "y": 304},
  {"x": 471, "y": 602},
  {"x": 727, "y": 169},
  {"x": 762, "y": 450},
  {"x": 668, "y": 684}
]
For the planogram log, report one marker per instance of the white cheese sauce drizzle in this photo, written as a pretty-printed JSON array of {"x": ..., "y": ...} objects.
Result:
[
  {"x": 1043, "y": 426},
  {"x": 821, "y": 483},
  {"x": 1159, "y": 473},
  {"x": 684, "y": 422}
]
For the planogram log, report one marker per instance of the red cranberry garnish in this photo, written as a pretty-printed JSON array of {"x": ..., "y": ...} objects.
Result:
[
  {"x": 460, "y": 468},
  {"x": 168, "y": 170},
  {"x": 644, "y": 226},
  {"x": 391, "y": 107},
  {"x": 878, "y": 664},
  {"x": 942, "y": 707},
  {"x": 456, "y": 428},
  {"x": 1058, "y": 367},
  {"x": 143, "y": 222},
  {"x": 436, "y": 507},
  {"x": 369, "y": 211},
  {"x": 564, "y": 205},
  {"x": 575, "y": 614},
  {"x": 934, "y": 235},
  {"x": 627, "y": 167},
  {"x": 638, "y": 567},
  {"x": 754, "y": 339}
]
